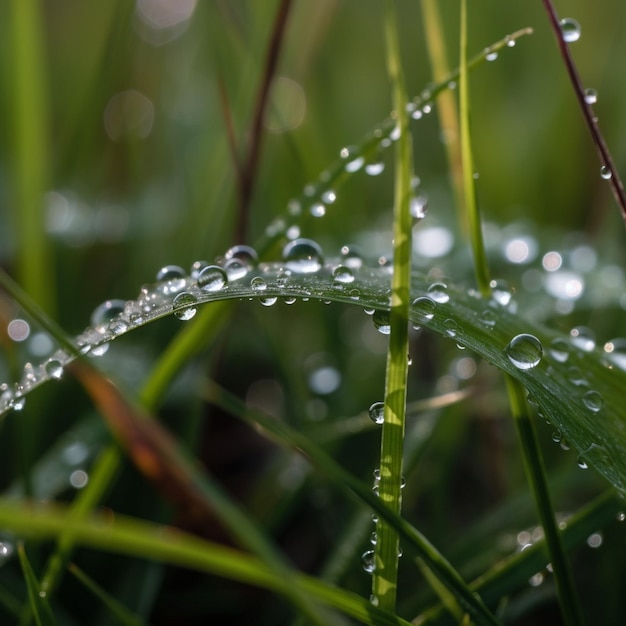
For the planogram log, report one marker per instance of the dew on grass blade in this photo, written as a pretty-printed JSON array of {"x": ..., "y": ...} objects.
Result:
[
  {"x": 172, "y": 274},
  {"x": 501, "y": 292},
  {"x": 377, "y": 412},
  {"x": 368, "y": 561},
  {"x": 53, "y": 368},
  {"x": 183, "y": 306},
  {"x": 438, "y": 292},
  {"x": 375, "y": 169},
  {"x": 593, "y": 400},
  {"x": 615, "y": 351},
  {"x": 258, "y": 284},
  {"x": 570, "y": 29},
  {"x": 424, "y": 309},
  {"x": 591, "y": 96},
  {"x": 488, "y": 318},
  {"x": 268, "y": 301},
  {"x": 246, "y": 254},
  {"x": 303, "y": 256},
  {"x": 342, "y": 275},
  {"x": 559, "y": 350},
  {"x": 351, "y": 257},
  {"x": 524, "y": 351},
  {"x": 212, "y": 278},
  {"x": 106, "y": 312},
  {"x": 418, "y": 206},
  {"x": 606, "y": 173},
  {"x": 318, "y": 209},
  {"x": 583, "y": 338},
  {"x": 381, "y": 322}
]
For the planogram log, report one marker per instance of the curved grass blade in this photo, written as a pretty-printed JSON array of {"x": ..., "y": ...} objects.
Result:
[
  {"x": 127, "y": 536},
  {"x": 38, "y": 602}
]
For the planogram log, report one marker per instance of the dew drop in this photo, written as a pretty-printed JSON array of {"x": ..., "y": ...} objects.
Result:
[
  {"x": 591, "y": 96},
  {"x": 451, "y": 327},
  {"x": 501, "y": 292},
  {"x": 373, "y": 538},
  {"x": 377, "y": 412},
  {"x": 100, "y": 349},
  {"x": 491, "y": 56},
  {"x": 559, "y": 350},
  {"x": 182, "y": 305},
  {"x": 258, "y": 284},
  {"x": 212, "y": 278},
  {"x": 329, "y": 196},
  {"x": 343, "y": 275},
  {"x": 106, "y": 312},
  {"x": 246, "y": 254},
  {"x": 488, "y": 318},
  {"x": 438, "y": 292},
  {"x": 524, "y": 351},
  {"x": 173, "y": 275},
  {"x": 318, "y": 209},
  {"x": 418, "y": 205},
  {"x": 235, "y": 268},
  {"x": 303, "y": 256},
  {"x": 581, "y": 463},
  {"x": 593, "y": 400},
  {"x": 424, "y": 309},
  {"x": 583, "y": 338},
  {"x": 381, "y": 321},
  {"x": 375, "y": 169},
  {"x": 605, "y": 172},
  {"x": 268, "y": 301},
  {"x": 621, "y": 516},
  {"x": 355, "y": 165},
  {"x": 368, "y": 561},
  {"x": 54, "y": 368},
  {"x": 197, "y": 267},
  {"x": 570, "y": 29},
  {"x": 615, "y": 351},
  {"x": 351, "y": 257}
]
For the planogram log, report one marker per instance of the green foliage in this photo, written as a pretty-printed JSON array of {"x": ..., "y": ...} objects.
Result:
[{"x": 210, "y": 420}]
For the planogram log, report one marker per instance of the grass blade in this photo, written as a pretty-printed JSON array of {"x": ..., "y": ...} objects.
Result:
[{"x": 38, "y": 602}]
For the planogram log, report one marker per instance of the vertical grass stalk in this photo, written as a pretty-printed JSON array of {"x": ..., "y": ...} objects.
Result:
[
  {"x": 384, "y": 584},
  {"x": 30, "y": 140},
  {"x": 533, "y": 463}
]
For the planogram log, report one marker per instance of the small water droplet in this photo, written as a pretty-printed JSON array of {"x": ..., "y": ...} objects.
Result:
[
  {"x": 424, "y": 309},
  {"x": 212, "y": 278},
  {"x": 583, "y": 338},
  {"x": 100, "y": 349},
  {"x": 377, "y": 412},
  {"x": 491, "y": 56},
  {"x": 593, "y": 400},
  {"x": 559, "y": 350},
  {"x": 54, "y": 368},
  {"x": 418, "y": 205},
  {"x": 581, "y": 463},
  {"x": 368, "y": 561},
  {"x": 501, "y": 292},
  {"x": 373, "y": 538},
  {"x": 524, "y": 351},
  {"x": 557, "y": 436},
  {"x": 182, "y": 305},
  {"x": 605, "y": 172},
  {"x": 488, "y": 318},
  {"x": 302, "y": 256},
  {"x": 355, "y": 165},
  {"x": 438, "y": 292},
  {"x": 451, "y": 327},
  {"x": 374, "y": 169},
  {"x": 570, "y": 29},
  {"x": 268, "y": 301},
  {"x": 615, "y": 351},
  {"x": 351, "y": 257},
  {"x": 329, "y": 196},
  {"x": 381, "y": 321},
  {"x": 591, "y": 96},
  {"x": 235, "y": 268},
  {"x": 621, "y": 516},
  {"x": 258, "y": 284},
  {"x": 343, "y": 275},
  {"x": 106, "y": 312},
  {"x": 318, "y": 209}
]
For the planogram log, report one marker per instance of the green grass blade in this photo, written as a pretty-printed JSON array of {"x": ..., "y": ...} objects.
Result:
[
  {"x": 385, "y": 575},
  {"x": 38, "y": 602},
  {"x": 123, "y": 535},
  {"x": 118, "y": 611}
]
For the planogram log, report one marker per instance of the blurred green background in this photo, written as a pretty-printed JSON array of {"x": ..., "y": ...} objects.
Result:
[{"x": 115, "y": 161}]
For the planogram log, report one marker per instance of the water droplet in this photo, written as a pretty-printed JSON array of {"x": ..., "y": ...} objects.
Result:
[
  {"x": 591, "y": 96},
  {"x": 491, "y": 56},
  {"x": 54, "y": 368},
  {"x": 377, "y": 412},
  {"x": 303, "y": 256},
  {"x": 258, "y": 284},
  {"x": 581, "y": 463},
  {"x": 373, "y": 538},
  {"x": 451, "y": 327},
  {"x": 615, "y": 351},
  {"x": 355, "y": 165},
  {"x": 583, "y": 338},
  {"x": 438, "y": 292},
  {"x": 174, "y": 276},
  {"x": 318, "y": 210},
  {"x": 351, "y": 257},
  {"x": 294, "y": 207},
  {"x": 594, "y": 540},
  {"x": 381, "y": 321},
  {"x": 268, "y": 301},
  {"x": 501, "y": 292},
  {"x": 593, "y": 400},
  {"x": 212, "y": 278},
  {"x": 605, "y": 172},
  {"x": 488, "y": 318},
  {"x": 246, "y": 254},
  {"x": 368, "y": 561},
  {"x": 524, "y": 351},
  {"x": 570, "y": 29},
  {"x": 197, "y": 267},
  {"x": 182, "y": 305},
  {"x": 106, "y": 312},
  {"x": 559, "y": 350},
  {"x": 557, "y": 436},
  {"x": 424, "y": 309},
  {"x": 329, "y": 196},
  {"x": 418, "y": 205},
  {"x": 621, "y": 516},
  {"x": 343, "y": 275},
  {"x": 100, "y": 349},
  {"x": 374, "y": 169},
  {"x": 235, "y": 269}
]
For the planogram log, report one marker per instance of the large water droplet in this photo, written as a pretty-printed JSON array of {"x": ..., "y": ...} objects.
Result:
[
  {"x": 343, "y": 275},
  {"x": 524, "y": 351},
  {"x": 54, "y": 368},
  {"x": 377, "y": 412},
  {"x": 438, "y": 292},
  {"x": 381, "y": 321},
  {"x": 559, "y": 350},
  {"x": 246, "y": 254},
  {"x": 182, "y": 306},
  {"x": 570, "y": 29},
  {"x": 258, "y": 284},
  {"x": 593, "y": 400},
  {"x": 212, "y": 278},
  {"x": 583, "y": 338},
  {"x": 106, "y": 312},
  {"x": 174, "y": 276},
  {"x": 368, "y": 561},
  {"x": 424, "y": 309},
  {"x": 303, "y": 256},
  {"x": 605, "y": 172}
]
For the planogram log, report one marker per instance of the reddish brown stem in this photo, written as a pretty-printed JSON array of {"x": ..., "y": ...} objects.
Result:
[{"x": 603, "y": 151}]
